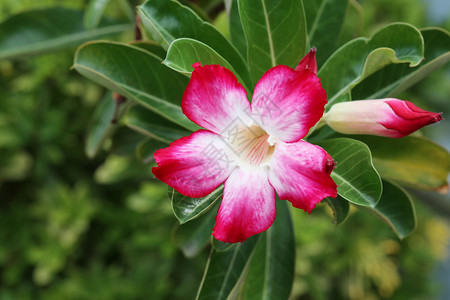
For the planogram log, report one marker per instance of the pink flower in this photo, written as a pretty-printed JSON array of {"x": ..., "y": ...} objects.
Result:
[
  {"x": 384, "y": 117},
  {"x": 254, "y": 149}
]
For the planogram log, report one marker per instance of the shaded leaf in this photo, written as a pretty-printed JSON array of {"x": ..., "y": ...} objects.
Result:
[
  {"x": 101, "y": 126},
  {"x": 51, "y": 29},
  {"x": 396, "y": 209},
  {"x": 340, "y": 208},
  {"x": 271, "y": 271},
  {"x": 195, "y": 235},
  {"x": 150, "y": 124},
  {"x": 94, "y": 12},
  {"x": 325, "y": 19},
  {"x": 275, "y": 33},
  {"x": 235, "y": 27},
  {"x": 412, "y": 161},
  {"x": 137, "y": 75},
  {"x": 186, "y": 208},
  {"x": 151, "y": 47},
  {"x": 146, "y": 148},
  {"x": 224, "y": 269},
  {"x": 355, "y": 175}
]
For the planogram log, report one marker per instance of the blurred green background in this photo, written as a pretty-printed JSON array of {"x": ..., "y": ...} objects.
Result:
[{"x": 78, "y": 228}]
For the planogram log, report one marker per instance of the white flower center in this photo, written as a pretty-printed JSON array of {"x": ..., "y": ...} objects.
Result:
[{"x": 252, "y": 145}]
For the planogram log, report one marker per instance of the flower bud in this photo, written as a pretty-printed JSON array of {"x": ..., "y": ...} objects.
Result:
[{"x": 384, "y": 117}]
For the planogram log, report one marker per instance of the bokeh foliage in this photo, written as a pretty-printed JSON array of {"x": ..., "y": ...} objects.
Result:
[{"x": 79, "y": 228}]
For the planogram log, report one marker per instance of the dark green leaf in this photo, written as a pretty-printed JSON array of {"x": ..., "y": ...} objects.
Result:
[
  {"x": 150, "y": 124},
  {"x": 275, "y": 32},
  {"x": 397, "y": 210},
  {"x": 146, "y": 148},
  {"x": 51, "y": 29},
  {"x": 224, "y": 269},
  {"x": 166, "y": 21},
  {"x": 325, "y": 19},
  {"x": 412, "y": 161},
  {"x": 361, "y": 57},
  {"x": 394, "y": 79},
  {"x": 221, "y": 246},
  {"x": 340, "y": 208},
  {"x": 187, "y": 208},
  {"x": 151, "y": 47},
  {"x": 235, "y": 27},
  {"x": 271, "y": 271},
  {"x": 137, "y": 75},
  {"x": 193, "y": 236},
  {"x": 355, "y": 175}
]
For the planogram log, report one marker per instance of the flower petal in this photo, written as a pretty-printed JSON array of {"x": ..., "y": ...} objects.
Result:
[
  {"x": 195, "y": 165},
  {"x": 300, "y": 173},
  {"x": 287, "y": 103},
  {"x": 214, "y": 98},
  {"x": 308, "y": 62},
  {"x": 248, "y": 206}
]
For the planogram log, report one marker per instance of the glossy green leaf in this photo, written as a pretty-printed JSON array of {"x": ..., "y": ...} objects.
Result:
[
  {"x": 355, "y": 175},
  {"x": 324, "y": 20},
  {"x": 186, "y": 208},
  {"x": 94, "y": 12},
  {"x": 168, "y": 20},
  {"x": 393, "y": 79},
  {"x": 412, "y": 161},
  {"x": 275, "y": 33},
  {"x": 151, "y": 47},
  {"x": 235, "y": 27},
  {"x": 340, "y": 208},
  {"x": 51, "y": 29},
  {"x": 184, "y": 52},
  {"x": 396, "y": 209},
  {"x": 271, "y": 271},
  {"x": 224, "y": 269},
  {"x": 137, "y": 75},
  {"x": 153, "y": 125},
  {"x": 101, "y": 126},
  {"x": 361, "y": 57},
  {"x": 194, "y": 236}
]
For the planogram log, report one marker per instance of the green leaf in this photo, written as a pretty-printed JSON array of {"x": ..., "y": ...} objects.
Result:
[
  {"x": 325, "y": 19},
  {"x": 411, "y": 161},
  {"x": 146, "y": 148},
  {"x": 361, "y": 57},
  {"x": 396, "y": 209},
  {"x": 94, "y": 12},
  {"x": 184, "y": 52},
  {"x": 224, "y": 269},
  {"x": 168, "y": 20},
  {"x": 235, "y": 27},
  {"x": 186, "y": 208},
  {"x": 193, "y": 236},
  {"x": 220, "y": 246},
  {"x": 340, "y": 208},
  {"x": 355, "y": 175},
  {"x": 135, "y": 74},
  {"x": 101, "y": 126},
  {"x": 150, "y": 124},
  {"x": 275, "y": 32},
  {"x": 393, "y": 79},
  {"x": 271, "y": 271},
  {"x": 152, "y": 47},
  {"x": 51, "y": 29}
]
